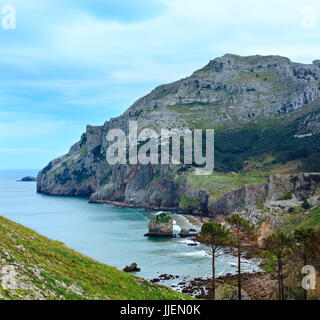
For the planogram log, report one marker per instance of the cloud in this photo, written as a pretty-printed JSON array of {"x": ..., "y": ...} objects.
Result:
[{"x": 69, "y": 63}]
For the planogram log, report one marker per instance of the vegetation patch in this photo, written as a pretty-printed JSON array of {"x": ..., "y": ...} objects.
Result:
[
  {"x": 185, "y": 201},
  {"x": 297, "y": 221},
  {"x": 218, "y": 184},
  {"x": 54, "y": 171},
  {"x": 163, "y": 218},
  {"x": 83, "y": 151},
  {"x": 287, "y": 196}
]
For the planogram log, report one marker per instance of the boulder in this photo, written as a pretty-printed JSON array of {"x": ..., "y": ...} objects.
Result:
[
  {"x": 161, "y": 226},
  {"x": 132, "y": 268},
  {"x": 185, "y": 233}
]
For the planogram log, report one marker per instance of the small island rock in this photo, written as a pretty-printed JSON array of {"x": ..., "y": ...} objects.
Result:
[
  {"x": 28, "y": 179},
  {"x": 161, "y": 226}
]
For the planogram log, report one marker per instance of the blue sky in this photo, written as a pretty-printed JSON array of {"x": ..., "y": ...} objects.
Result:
[{"x": 75, "y": 62}]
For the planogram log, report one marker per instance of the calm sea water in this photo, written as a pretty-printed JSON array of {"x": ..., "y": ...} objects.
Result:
[{"x": 108, "y": 234}]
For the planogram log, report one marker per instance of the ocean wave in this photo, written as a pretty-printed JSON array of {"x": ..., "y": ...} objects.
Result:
[
  {"x": 198, "y": 253},
  {"x": 186, "y": 241},
  {"x": 183, "y": 222},
  {"x": 176, "y": 227}
]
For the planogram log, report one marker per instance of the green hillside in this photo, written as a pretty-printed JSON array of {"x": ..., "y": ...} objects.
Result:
[{"x": 35, "y": 267}]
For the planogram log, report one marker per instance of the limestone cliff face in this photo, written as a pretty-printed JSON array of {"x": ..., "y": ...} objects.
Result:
[
  {"x": 301, "y": 186},
  {"x": 229, "y": 92},
  {"x": 233, "y": 88}
]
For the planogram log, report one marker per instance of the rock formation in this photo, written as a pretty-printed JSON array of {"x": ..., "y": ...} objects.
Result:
[
  {"x": 160, "y": 226},
  {"x": 28, "y": 179},
  {"x": 132, "y": 268}
]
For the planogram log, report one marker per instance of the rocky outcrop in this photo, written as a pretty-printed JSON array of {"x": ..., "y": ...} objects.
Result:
[
  {"x": 185, "y": 233},
  {"x": 132, "y": 268},
  {"x": 249, "y": 195},
  {"x": 160, "y": 226},
  {"x": 301, "y": 186},
  {"x": 240, "y": 86}
]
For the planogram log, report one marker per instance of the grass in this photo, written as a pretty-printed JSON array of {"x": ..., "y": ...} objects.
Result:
[
  {"x": 218, "y": 184},
  {"x": 83, "y": 152},
  {"x": 185, "y": 201},
  {"x": 55, "y": 171},
  {"x": 287, "y": 196},
  {"x": 296, "y": 222},
  {"x": 194, "y": 107},
  {"x": 266, "y": 164},
  {"x": 61, "y": 268},
  {"x": 258, "y": 77}
]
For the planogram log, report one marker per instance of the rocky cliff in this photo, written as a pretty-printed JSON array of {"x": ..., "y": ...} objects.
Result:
[{"x": 258, "y": 105}]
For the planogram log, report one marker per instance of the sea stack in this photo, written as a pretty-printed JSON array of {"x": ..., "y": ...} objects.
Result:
[{"x": 161, "y": 226}]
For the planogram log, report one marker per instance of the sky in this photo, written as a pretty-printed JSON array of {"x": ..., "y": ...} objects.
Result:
[{"x": 69, "y": 63}]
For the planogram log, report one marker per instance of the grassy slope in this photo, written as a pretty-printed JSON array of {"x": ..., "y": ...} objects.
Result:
[
  {"x": 218, "y": 184},
  {"x": 297, "y": 221},
  {"x": 51, "y": 269}
]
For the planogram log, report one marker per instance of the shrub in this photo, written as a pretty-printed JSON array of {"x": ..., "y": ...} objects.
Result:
[
  {"x": 306, "y": 205},
  {"x": 287, "y": 196}
]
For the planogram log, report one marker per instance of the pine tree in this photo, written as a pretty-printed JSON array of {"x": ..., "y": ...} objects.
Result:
[
  {"x": 306, "y": 239},
  {"x": 245, "y": 239},
  {"x": 216, "y": 237},
  {"x": 280, "y": 245}
]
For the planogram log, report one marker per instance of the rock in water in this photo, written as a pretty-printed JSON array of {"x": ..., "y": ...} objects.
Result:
[
  {"x": 132, "y": 268},
  {"x": 184, "y": 233},
  {"x": 161, "y": 226},
  {"x": 28, "y": 179}
]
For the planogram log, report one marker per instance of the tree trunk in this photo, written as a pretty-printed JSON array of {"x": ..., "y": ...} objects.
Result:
[
  {"x": 305, "y": 292},
  {"x": 213, "y": 275},
  {"x": 239, "y": 271},
  {"x": 279, "y": 281}
]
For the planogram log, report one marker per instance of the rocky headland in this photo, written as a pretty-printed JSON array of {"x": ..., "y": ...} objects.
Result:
[
  {"x": 28, "y": 179},
  {"x": 265, "y": 111}
]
